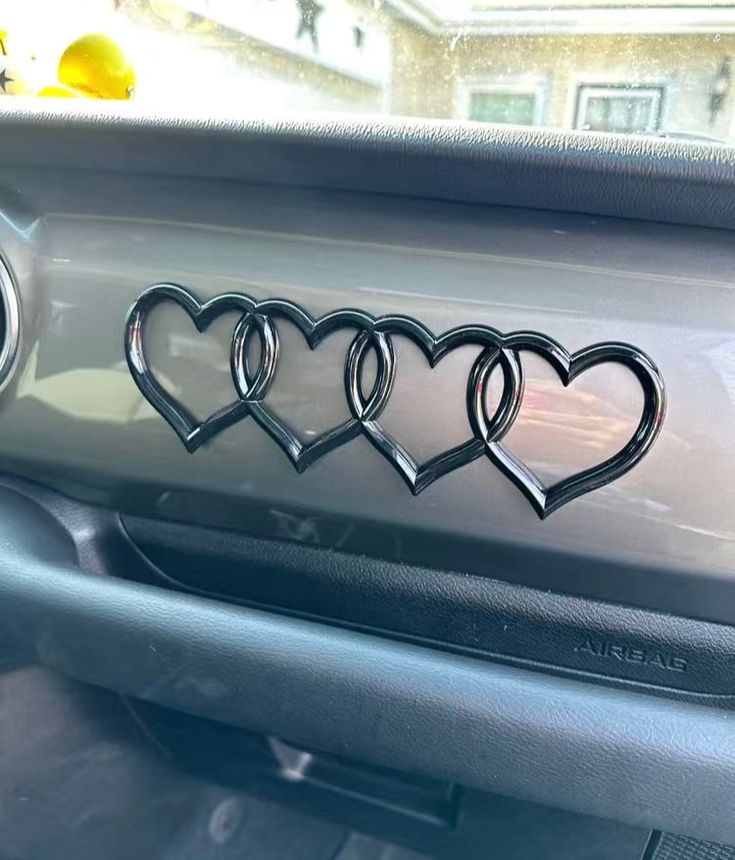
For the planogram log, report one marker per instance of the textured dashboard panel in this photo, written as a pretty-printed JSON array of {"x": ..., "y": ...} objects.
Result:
[
  {"x": 671, "y": 847},
  {"x": 626, "y": 176},
  {"x": 602, "y": 752},
  {"x": 528, "y": 627}
]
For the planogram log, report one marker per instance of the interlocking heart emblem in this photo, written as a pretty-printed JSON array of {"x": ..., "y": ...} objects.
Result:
[
  {"x": 192, "y": 433},
  {"x": 258, "y": 319}
]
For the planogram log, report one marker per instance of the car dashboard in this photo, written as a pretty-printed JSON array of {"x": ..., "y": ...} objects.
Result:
[{"x": 406, "y": 443}]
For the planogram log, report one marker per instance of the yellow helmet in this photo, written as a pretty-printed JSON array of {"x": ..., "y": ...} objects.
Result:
[{"x": 95, "y": 66}]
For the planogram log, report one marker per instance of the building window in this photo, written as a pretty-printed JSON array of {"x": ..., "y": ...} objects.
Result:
[
  {"x": 619, "y": 108},
  {"x": 503, "y": 107},
  {"x": 515, "y": 101}
]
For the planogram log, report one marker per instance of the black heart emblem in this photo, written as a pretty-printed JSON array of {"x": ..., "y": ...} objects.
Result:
[
  {"x": 302, "y": 454},
  {"x": 192, "y": 432},
  {"x": 371, "y": 333},
  {"x": 546, "y": 500},
  {"x": 418, "y": 476}
]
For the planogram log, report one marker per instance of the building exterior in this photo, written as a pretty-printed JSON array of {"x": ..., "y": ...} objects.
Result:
[{"x": 617, "y": 65}]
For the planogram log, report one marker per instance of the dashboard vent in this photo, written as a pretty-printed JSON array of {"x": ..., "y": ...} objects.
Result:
[{"x": 9, "y": 324}]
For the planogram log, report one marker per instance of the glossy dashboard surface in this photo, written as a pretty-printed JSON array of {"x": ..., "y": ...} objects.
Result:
[{"x": 83, "y": 245}]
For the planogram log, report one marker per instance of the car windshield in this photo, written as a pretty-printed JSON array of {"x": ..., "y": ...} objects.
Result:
[{"x": 652, "y": 67}]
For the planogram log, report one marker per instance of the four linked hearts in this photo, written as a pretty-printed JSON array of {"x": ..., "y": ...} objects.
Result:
[{"x": 498, "y": 350}]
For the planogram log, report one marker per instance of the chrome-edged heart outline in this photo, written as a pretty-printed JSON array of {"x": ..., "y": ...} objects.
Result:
[
  {"x": 192, "y": 432},
  {"x": 545, "y": 500},
  {"x": 315, "y": 331}
]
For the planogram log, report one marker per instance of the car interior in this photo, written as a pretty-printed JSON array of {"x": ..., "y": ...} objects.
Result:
[{"x": 366, "y": 487}]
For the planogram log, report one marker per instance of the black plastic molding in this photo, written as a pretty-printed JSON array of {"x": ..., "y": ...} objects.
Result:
[
  {"x": 677, "y": 181},
  {"x": 584, "y": 748},
  {"x": 528, "y": 627},
  {"x": 612, "y": 753}
]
